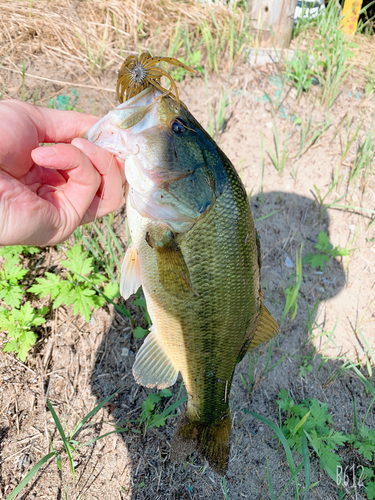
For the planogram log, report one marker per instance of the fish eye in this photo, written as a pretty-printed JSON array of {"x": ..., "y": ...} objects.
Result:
[{"x": 178, "y": 126}]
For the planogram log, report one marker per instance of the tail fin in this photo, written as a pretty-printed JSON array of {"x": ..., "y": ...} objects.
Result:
[{"x": 211, "y": 441}]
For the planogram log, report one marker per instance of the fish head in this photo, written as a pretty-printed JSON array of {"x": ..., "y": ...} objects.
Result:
[{"x": 173, "y": 168}]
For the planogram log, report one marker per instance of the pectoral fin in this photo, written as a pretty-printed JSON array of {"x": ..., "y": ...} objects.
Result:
[
  {"x": 265, "y": 330},
  {"x": 130, "y": 273},
  {"x": 152, "y": 367},
  {"x": 173, "y": 271}
]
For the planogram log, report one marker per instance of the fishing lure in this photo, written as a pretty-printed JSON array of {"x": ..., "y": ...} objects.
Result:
[{"x": 136, "y": 74}]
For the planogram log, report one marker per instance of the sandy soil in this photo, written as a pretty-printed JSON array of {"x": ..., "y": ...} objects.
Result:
[{"x": 84, "y": 363}]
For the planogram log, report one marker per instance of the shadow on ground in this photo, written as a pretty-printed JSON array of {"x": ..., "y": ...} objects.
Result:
[{"x": 285, "y": 221}]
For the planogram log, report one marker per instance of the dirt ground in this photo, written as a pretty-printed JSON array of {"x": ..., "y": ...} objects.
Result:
[{"x": 84, "y": 363}]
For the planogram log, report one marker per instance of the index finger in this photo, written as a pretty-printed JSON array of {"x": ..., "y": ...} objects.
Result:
[{"x": 54, "y": 125}]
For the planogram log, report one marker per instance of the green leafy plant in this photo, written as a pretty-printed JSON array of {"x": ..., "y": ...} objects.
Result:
[
  {"x": 193, "y": 60},
  {"x": 139, "y": 332},
  {"x": 11, "y": 292},
  {"x": 311, "y": 419},
  {"x": 141, "y": 303},
  {"x": 364, "y": 441},
  {"x": 305, "y": 367},
  {"x": 370, "y": 485},
  {"x": 299, "y": 71},
  {"x": 326, "y": 251},
  {"x": 19, "y": 324},
  {"x": 77, "y": 288},
  {"x": 289, "y": 457},
  {"x": 327, "y": 57},
  {"x": 16, "y": 320},
  {"x": 63, "y": 102},
  {"x": 150, "y": 416}
]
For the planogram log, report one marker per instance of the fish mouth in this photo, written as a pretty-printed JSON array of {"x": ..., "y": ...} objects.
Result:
[
  {"x": 115, "y": 132},
  {"x": 126, "y": 132}
]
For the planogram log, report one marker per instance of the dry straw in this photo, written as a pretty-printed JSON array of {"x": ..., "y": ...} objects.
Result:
[{"x": 98, "y": 33}]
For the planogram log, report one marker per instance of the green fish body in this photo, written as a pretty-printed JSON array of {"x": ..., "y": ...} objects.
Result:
[{"x": 196, "y": 254}]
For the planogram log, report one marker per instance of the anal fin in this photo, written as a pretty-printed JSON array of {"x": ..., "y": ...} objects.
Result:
[
  {"x": 130, "y": 273},
  {"x": 266, "y": 328},
  {"x": 152, "y": 367}
]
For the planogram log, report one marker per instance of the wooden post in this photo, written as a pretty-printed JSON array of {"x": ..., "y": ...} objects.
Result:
[
  {"x": 272, "y": 21},
  {"x": 350, "y": 14}
]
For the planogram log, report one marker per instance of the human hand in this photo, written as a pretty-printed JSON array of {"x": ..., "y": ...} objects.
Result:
[{"x": 47, "y": 192}]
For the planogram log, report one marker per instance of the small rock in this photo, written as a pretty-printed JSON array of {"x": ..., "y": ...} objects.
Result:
[
  {"x": 269, "y": 124},
  {"x": 261, "y": 429},
  {"x": 125, "y": 351},
  {"x": 289, "y": 262}
]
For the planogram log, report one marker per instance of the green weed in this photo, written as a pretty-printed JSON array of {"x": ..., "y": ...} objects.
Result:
[
  {"x": 149, "y": 416},
  {"x": 293, "y": 469},
  {"x": 155, "y": 413},
  {"x": 300, "y": 72},
  {"x": 11, "y": 291},
  {"x": 309, "y": 135},
  {"x": 139, "y": 332},
  {"x": 363, "y": 162},
  {"x": 64, "y": 102},
  {"x": 306, "y": 366},
  {"x": 311, "y": 419},
  {"x": 217, "y": 115},
  {"x": 292, "y": 292},
  {"x": 328, "y": 59},
  {"x": 193, "y": 60},
  {"x": 370, "y": 77},
  {"x": 77, "y": 288},
  {"x": 19, "y": 325},
  {"x": 280, "y": 156},
  {"x": 325, "y": 253},
  {"x": 16, "y": 320}
]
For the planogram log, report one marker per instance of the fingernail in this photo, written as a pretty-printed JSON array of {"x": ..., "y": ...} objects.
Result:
[
  {"x": 85, "y": 146},
  {"x": 45, "y": 152}
]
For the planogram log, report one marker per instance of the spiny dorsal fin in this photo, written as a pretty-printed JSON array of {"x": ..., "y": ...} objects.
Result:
[
  {"x": 152, "y": 367},
  {"x": 266, "y": 328},
  {"x": 130, "y": 273}
]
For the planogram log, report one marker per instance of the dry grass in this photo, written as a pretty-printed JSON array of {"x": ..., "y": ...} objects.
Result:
[{"x": 97, "y": 34}]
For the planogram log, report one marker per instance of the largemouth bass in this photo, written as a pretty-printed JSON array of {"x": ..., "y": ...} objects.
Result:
[{"x": 196, "y": 253}]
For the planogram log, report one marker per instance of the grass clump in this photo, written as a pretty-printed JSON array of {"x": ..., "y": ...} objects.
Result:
[
  {"x": 327, "y": 62},
  {"x": 325, "y": 252}
]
